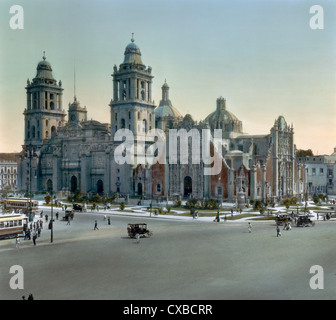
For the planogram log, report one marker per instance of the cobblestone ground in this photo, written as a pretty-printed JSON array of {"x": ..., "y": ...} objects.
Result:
[{"x": 183, "y": 260}]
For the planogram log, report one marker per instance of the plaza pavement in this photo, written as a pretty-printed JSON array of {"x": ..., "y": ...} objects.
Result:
[{"x": 185, "y": 259}]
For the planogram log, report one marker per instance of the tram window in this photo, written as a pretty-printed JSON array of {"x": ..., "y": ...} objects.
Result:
[
  {"x": 2, "y": 225},
  {"x": 15, "y": 223},
  {"x": 20, "y": 222},
  {"x": 11, "y": 223}
]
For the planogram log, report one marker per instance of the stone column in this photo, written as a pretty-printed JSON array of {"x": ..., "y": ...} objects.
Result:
[
  {"x": 253, "y": 184},
  {"x": 263, "y": 182},
  {"x": 149, "y": 83},
  {"x": 84, "y": 176}
]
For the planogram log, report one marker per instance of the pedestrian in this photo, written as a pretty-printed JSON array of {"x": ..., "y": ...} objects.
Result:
[
  {"x": 34, "y": 238},
  {"x": 278, "y": 231},
  {"x": 108, "y": 220},
  {"x": 137, "y": 236},
  {"x": 95, "y": 226},
  {"x": 30, "y": 297},
  {"x": 68, "y": 223},
  {"x": 38, "y": 231},
  {"x": 17, "y": 242},
  {"x": 56, "y": 215},
  {"x": 249, "y": 227}
]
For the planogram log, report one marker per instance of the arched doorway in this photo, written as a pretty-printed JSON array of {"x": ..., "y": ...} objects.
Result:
[
  {"x": 187, "y": 186},
  {"x": 49, "y": 185},
  {"x": 139, "y": 189},
  {"x": 100, "y": 186},
  {"x": 73, "y": 184}
]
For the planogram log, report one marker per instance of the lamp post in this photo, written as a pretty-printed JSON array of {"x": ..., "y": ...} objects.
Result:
[
  {"x": 52, "y": 219},
  {"x": 30, "y": 183}
]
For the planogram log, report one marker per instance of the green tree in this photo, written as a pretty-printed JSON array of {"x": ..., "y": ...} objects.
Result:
[
  {"x": 47, "y": 199},
  {"x": 304, "y": 153},
  {"x": 122, "y": 206}
]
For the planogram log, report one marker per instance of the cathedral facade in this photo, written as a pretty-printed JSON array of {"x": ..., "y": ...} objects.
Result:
[{"x": 77, "y": 154}]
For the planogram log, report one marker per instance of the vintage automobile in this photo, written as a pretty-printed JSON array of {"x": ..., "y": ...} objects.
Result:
[
  {"x": 77, "y": 207},
  {"x": 283, "y": 219},
  {"x": 304, "y": 221},
  {"x": 136, "y": 230}
]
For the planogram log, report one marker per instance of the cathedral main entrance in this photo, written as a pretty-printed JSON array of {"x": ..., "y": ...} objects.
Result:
[
  {"x": 100, "y": 186},
  {"x": 49, "y": 186},
  {"x": 139, "y": 189},
  {"x": 187, "y": 186},
  {"x": 73, "y": 184}
]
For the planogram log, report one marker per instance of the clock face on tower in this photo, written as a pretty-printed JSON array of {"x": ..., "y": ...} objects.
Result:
[{"x": 73, "y": 117}]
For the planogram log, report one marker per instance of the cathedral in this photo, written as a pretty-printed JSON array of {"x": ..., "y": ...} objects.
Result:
[{"x": 69, "y": 153}]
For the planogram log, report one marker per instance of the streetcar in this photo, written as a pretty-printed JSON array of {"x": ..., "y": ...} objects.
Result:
[
  {"x": 22, "y": 204},
  {"x": 12, "y": 225}
]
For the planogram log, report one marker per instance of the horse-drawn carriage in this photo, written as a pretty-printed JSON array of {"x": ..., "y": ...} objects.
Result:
[
  {"x": 69, "y": 214},
  {"x": 283, "y": 219}
]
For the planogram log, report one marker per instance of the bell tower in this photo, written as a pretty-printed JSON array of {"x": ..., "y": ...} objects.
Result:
[
  {"x": 132, "y": 106},
  {"x": 44, "y": 112}
]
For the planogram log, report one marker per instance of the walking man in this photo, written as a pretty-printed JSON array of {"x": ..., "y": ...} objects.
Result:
[
  {"x": 249, "y": 227},
  {"x": 95, "y": 226},
  {"x": 34, "y": 238},
  {"x": 17, "y": 242},
  {"x": 278, "y": 231}
]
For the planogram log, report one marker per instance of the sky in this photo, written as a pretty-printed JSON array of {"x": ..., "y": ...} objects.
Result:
[{"x": 263, "y": 56}]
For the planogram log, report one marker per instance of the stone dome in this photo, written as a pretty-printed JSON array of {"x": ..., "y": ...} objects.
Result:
[
  {"x": 132, "y": 54},
  {"x": 223, "y": 119},
  {"x": 44, "y": 70},
  {"x": 165, "y": 108}
]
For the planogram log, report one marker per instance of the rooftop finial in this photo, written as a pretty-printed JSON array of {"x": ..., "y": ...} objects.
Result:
[
  {"x": 132, "y": 37},
  {"x": 44, "y": 57}
]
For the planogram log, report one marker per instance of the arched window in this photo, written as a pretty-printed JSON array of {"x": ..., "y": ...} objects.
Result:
[
  {"x": 123, "y": 123},
  {"x": 33, "y": 132},
  {"x": 144, "y": 125}
]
